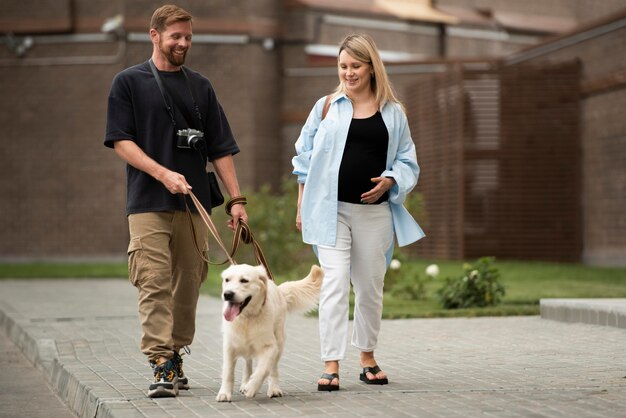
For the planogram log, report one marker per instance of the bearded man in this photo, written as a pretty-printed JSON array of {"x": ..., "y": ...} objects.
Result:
[{"x": 166, "y": 122}]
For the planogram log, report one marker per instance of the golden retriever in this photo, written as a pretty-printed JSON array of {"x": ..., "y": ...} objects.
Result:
[{"x": 253, "y": 326}]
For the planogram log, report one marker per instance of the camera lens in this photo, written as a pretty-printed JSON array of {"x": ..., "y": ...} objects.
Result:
[{"x": 194, "y": 142}]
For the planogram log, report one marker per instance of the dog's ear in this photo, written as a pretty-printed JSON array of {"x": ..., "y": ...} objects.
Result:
[{"x": 262, "y": 273}]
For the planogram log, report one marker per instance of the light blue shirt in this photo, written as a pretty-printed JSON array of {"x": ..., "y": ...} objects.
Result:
[{"x": 319, "y": 152}]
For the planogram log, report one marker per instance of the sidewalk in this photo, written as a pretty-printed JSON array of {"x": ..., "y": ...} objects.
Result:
[
  {"x": 25, "y": 392},
  {"x": 84, "y": 335}
]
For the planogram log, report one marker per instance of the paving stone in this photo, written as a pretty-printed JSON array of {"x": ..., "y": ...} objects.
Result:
[
  {"x": 85, "y": 334},
  {"x": 25, "y": 391}
]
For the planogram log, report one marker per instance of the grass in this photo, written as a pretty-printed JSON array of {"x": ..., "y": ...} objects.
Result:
[
  {"x": 525, "y": 282},
  {"x": 45, "y": 270}
]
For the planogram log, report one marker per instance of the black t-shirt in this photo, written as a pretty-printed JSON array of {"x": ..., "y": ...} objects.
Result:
[
  {"x": 364, "y": 157},
  {"x": 137, "y": 112}
]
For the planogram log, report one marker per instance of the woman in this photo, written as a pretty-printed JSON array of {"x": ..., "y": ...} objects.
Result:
[{"x": 355, "y": 164}]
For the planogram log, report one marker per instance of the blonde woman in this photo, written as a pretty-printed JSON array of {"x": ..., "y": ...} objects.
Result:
[{"x": 355, "y": 164}]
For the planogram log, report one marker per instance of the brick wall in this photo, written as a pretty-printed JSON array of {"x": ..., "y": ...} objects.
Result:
[
  {"x": 61, "y": 190},
  {"x": 64, "y": 193}
]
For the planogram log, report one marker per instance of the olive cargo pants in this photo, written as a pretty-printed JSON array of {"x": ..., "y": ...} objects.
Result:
[{"x": 167, "y": 270}]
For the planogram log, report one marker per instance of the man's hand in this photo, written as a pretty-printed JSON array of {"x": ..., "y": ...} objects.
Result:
[
  {"x": 237, "y": 212},
  {"x": 225, "y": 168},
  {"x": 135, "y": 156},
  {"x": 174, "y": 182}
]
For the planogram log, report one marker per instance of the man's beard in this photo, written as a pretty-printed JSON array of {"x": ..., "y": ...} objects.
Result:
[{"x": 175, "y": 60}]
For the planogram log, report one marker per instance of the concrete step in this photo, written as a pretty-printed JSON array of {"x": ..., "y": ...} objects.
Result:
[{"x": 607, "y": 312}]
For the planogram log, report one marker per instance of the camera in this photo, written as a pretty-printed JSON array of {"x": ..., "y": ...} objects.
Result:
[{"x": 190, "y": 138}]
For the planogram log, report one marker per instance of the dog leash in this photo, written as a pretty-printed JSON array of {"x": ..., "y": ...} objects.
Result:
[{"x": 243, "y": 232}]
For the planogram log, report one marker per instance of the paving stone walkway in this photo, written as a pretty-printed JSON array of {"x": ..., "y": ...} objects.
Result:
[
  {"x": 25, "y": 392},
  {"x": 84, "y": 336}
]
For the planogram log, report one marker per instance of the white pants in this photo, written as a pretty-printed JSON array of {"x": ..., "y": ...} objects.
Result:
[{"x": 364, "y": 236}]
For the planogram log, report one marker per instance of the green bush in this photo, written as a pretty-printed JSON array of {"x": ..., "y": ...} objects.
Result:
[
  {"x": 477, "y": 287},
  {"x": 272, "y": 218}
]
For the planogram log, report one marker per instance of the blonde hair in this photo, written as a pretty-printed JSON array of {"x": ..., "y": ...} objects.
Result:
[
  {"x": 166, "y": 15},
  {"x": 362, "y": 48}
]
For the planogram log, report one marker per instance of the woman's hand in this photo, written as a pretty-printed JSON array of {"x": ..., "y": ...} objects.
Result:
[
  {"x": 383, "y": 184},
  {"x": 299, "y": 205},
  {"x": 299, "y": 220}
]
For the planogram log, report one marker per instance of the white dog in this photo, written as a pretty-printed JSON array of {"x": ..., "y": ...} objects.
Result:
[{"x": 254, "y": 324}]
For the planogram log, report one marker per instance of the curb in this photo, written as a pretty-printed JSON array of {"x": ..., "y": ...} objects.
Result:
[
  {"x": 43, "y": 354},
  {"x": 605, "y": 312}
]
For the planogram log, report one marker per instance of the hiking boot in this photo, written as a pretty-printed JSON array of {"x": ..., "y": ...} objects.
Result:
[
  {"x": 165, "y": 380},
  {"x": 183, "y": 383}
]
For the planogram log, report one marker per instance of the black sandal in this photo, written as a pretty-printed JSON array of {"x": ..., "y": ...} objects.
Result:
[
  {"x": 373, "y": 370},
  {"x": 329, "y": 387}
]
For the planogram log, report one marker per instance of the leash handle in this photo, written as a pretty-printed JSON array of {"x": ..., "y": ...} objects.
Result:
[
  {"x": 234, "y": 201},
  {"x": 243, "y": 232}
]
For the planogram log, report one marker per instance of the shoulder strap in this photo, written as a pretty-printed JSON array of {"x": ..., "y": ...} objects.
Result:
[
  {"x": 155, "y": 73},
  {"x": 181, "y": 106},
  {"x": 193, "y": 96},
  {"x": 326, "y": 107}
]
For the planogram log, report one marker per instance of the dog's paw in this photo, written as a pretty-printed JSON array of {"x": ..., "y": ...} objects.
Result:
[
  {"x": 274, "y": 392},
  {"x": 223, "y": 397},
  {"x": 249, "y": 391}
]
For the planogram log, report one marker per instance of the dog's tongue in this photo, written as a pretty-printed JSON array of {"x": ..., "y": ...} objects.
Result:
[{"x": 231, "y": 311}]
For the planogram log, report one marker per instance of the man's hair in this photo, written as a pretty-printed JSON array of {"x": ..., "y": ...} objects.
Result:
[{"x": 166, "y": 15}]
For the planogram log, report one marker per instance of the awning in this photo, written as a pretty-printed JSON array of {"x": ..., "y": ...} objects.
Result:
[{"x": 419, "y": 10}]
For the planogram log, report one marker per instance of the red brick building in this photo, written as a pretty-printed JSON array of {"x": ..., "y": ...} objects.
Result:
[{"x": 269, "y": 60}]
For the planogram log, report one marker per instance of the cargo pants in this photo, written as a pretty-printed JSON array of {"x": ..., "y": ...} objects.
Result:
[{"x": 165, "y": 267}]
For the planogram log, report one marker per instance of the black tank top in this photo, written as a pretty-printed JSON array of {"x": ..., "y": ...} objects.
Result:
[{"x": 364, "y": 157}]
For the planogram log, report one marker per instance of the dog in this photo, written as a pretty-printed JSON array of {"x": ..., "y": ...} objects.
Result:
[{"x": 253, "y": 327}]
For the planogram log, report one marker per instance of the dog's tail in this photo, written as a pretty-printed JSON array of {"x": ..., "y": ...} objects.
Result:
[{"x": 303, "y": 295}]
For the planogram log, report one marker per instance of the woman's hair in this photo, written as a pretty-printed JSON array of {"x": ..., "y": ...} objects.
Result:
[
  {"x": 166, "y": 15},
  {"x": 362, "y": 48}
]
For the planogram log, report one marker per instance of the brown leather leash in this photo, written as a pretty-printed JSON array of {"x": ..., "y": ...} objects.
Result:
[{"x": 243, "y": 233}]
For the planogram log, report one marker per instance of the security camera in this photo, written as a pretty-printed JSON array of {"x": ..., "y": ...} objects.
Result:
[{"x": 114, "y": 25}]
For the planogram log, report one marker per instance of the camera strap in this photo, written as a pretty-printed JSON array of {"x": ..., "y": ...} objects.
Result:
[{"x": 170, "y": 108}]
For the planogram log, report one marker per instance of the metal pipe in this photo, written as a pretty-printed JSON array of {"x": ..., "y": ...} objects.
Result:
[
  {"x": 565, "y": 42},
  {"x": 25, "y": 43},
  {"x": 203, "y": 38},
  {"x": 391, "y": 69},
  {"x": 68, "y": 60}
]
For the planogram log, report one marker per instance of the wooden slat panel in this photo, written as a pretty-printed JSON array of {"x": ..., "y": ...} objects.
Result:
[
  {"x": 436, "y": 109},
  {"x": 501, "y": 162}
]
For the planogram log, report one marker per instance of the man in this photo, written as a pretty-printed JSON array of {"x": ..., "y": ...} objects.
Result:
[{"x": 151, "y": 107}]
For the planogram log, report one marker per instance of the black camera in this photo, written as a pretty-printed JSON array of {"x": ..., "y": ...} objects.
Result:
[{"x": 190, "y": 138}]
